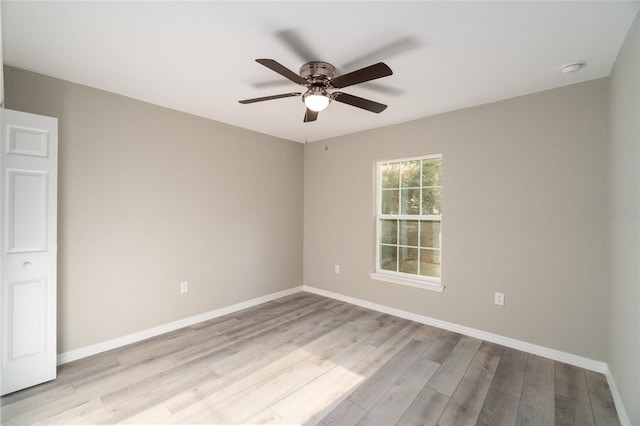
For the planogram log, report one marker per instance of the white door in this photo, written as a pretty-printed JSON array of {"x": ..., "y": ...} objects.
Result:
[{"x": 28, "y": 198}]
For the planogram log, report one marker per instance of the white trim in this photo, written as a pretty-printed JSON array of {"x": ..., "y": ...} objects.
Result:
[
  {"x": 617, "y": 398},
  {"x": 416, "y": 157},
  {"x": 76, "y": 354},
  {"x": 568, "y": 358},
  {"x": 423, "y": 284}
]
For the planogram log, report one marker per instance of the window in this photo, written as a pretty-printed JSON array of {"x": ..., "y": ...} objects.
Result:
[{"x": 409, "y": 218}]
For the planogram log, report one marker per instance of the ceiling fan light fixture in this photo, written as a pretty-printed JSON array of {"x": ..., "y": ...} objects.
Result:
[{"x": 316, "y": 99}]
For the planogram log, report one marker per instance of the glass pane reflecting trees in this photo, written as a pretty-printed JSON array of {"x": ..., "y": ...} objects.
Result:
[{"x": 410, "y": 215}]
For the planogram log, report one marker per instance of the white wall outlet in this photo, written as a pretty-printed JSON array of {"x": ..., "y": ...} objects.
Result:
[
  {"x": 336, "y": 269},
  {"x": 184, "y": 286},
  {"x": 499, "y": 299}
]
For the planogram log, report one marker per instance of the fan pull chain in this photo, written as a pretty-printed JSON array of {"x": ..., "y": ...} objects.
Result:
[{"x": 306, "y": 133}]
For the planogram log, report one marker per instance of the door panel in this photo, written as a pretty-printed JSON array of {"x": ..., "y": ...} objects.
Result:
[
  {"x": 26, "y": 224},
  {"x": 27, "y": 300},
  {"x": 28, "y": 169},
  {"x": 26, "y": 141}
]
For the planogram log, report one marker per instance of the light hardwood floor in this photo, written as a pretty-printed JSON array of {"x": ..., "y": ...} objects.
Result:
[{"x": 308, "y": 359}]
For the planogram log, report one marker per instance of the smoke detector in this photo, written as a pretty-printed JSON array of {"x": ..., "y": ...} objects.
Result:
[{"x": 572, "y": 67}]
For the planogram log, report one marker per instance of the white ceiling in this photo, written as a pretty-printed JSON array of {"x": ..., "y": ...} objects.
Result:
[{"x": 198, "y": 57}]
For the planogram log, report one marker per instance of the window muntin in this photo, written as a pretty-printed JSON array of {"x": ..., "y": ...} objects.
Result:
[{"x": 409, "y": 218}]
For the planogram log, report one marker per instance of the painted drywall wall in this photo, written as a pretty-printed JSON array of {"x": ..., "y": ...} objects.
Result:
[
  {"x": 140, "y": 184},
  {"x": 524, "y": 193},
  {"x": 623, "y": 216},
  {"x": 149, "y": 197}
]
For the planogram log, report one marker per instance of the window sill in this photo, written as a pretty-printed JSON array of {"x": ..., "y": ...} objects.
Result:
[{"x": 426, "y": 285}]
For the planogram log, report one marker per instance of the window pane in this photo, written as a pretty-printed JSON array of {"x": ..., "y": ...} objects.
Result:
[
  {"x": 390, "y": 201},
  {"x": 409, "y": 237},
  {"x": 408, "y": 261},
  {"x": 408, "y": 232},
  {"x": 391, "y": 175},
  {"x": 389, "y": 229},
  {"x": 432, "y": 172},
  {"x": 430, "y": 263},
  {"x": 431, "y": 201},
  {"x": 410, "y": 201},
  {"x": 389, "y": 258},
  {"x": 430, "y": 234},
  {"x": 410, "y": 174}
]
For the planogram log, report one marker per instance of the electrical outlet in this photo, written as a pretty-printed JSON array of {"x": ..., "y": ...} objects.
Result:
[
  {"x": 336, "y": 269},
  {"x": 184, "y": 286},
  {"x": 499, "y": 299}
]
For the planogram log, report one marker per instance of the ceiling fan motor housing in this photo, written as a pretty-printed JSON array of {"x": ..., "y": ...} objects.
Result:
[{"x": 317, "y": 72}]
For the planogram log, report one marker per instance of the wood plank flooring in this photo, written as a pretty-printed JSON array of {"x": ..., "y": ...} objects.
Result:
[{"x": 306, "y": 359}]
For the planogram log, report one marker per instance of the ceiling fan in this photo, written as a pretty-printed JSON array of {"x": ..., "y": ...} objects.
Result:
[{"x": 318, "y": 78}]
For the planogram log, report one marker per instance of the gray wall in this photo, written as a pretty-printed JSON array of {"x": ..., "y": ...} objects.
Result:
[
  {"x": 149, "y": 197},
  {"x": 524, "y": 194},
  {"x": 624, "y": 222}
]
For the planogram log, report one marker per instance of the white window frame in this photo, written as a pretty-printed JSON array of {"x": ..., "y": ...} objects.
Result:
[{"x": 412, "y": 280}]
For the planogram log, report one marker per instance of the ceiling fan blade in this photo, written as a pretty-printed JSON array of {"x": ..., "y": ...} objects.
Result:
[
  {"x": 298, "y": 45},
  {"x": 268, "y": 98},
  {"x": 282, "y": 70},
  {"x": 356, "y": 101},
  {"x": 363, "y": 74},
  {"x": 310, "y": 115}
]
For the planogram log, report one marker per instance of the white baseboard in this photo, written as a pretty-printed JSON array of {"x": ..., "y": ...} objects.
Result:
[
  {"x": 76, "y": 354},
  {"x": 568, "y": 358},
  {"x": 617, "y": 399},
  {"x": 556, "y": 355}
]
